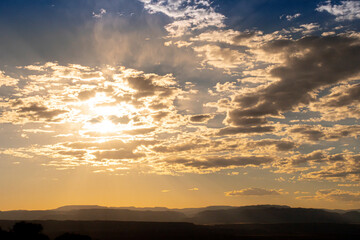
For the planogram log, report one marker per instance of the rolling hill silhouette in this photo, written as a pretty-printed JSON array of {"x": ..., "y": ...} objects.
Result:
[{"x": 209, "y": 215}]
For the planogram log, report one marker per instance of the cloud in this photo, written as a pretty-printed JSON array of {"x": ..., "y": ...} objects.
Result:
[
  {"x": 116, "y": 154},
  {"x": 219, "y": 162},
  {"x": 140, "y": 131},
  {"x": 54, "y": 93},
  {"x": 169, "y": 148},
  {"x": 7, "y": 80},
  {"x": 253, "y": 192},
  {"x": 309, "y": 28},
  {"x": 194, "y": 189},
  {"x": 316, "y": 156},
  {"x": 245, "y": 130},
  {"x": 201, "y": 118},
  {"x": 106, "y": 145},
  {"x": 310, "y": 63},
  {"x": 279, "y": 144},
  {"x": 310, "y": 132},
  {"x": 346, "y": 10},
  {"x": 334, "y": 195},
  {"x": 291, "y": 17},
  {"x": 318, "y": 132},
  {"x": 341, "y": 103},
  {"x": 150, "y": 85},
  {"x": 100, "y": 14},
  {"x": 248, "y": 38},
  {"x": 338, "y": 167},
  {"x": 35, "y": 112},
  {"x": 221, "y": 57},
  {"x": 344, "y": 98},
  {"x": 188, "y": 15}
]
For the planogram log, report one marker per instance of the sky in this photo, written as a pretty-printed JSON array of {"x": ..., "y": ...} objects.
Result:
[{"x": 179, "y": 103}]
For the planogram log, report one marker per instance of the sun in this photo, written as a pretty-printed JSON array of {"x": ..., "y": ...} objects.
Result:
[{"x": 103, "y": 114}]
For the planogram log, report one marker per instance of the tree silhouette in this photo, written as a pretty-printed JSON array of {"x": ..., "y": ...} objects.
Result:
[
  {"x": 32, "y": 231},
  {"x": 28, "y": 231},
  {"x": 4, "y": 234}
]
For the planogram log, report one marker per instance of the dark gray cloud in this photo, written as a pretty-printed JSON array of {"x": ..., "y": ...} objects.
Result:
[
  {"x": 316, "y": 156},
  {"x": 218, "y": 162},
  {"x": 309, "y": 132},
  {"x": 146, "y": 87},
  {"x": 279, "y": 144},
  {"x": 180, "y": 147},
  {"x": 339, "y": 167},
  {"x": 200, "y": 118},
  {"x": 253, "y": 192},
  {"x": 37, "y": 112},
  {"x": 239, "y": 130},
  {"x": 310, "y": 63},
  {"x": 316, "y": 133},
  {"x": 340, "y": 99}
]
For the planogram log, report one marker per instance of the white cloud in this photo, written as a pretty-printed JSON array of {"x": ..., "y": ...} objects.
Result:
[
  {"x": 309, "y": 28},
  {"x": 346, "y": 10},
  {"x": 6, "y": 80},
  {"x": 188, "y": 14},
  {"x": 100, "y": 14},
  {"x": 290, "y": 17}
]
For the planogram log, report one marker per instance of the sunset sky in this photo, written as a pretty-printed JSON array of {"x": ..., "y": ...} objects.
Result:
[{"x": 179, "y": 103}]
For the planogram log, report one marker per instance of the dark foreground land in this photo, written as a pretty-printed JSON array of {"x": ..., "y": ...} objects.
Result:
[{"x": 116, "y": 230}]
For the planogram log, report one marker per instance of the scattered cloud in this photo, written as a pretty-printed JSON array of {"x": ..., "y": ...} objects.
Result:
[
  {"x": 334, "y": 195},
  {"x": 307, "y": 68},
  {"x": 254, "y": 192},
  {"x": 346, "y": 10},
  {"x": 218, "y": 163},
  {"x": 188, "y": 15}
]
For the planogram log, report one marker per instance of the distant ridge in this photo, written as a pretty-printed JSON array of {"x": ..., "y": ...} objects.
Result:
[
  {"x": 78, "y": 207},
  {"x": 207, "y": 215}
]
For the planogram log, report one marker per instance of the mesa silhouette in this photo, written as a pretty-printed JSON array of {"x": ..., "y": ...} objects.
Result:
[{"x": 208, "y": 215}]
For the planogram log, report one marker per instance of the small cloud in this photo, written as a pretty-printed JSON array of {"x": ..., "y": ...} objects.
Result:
[
  {"x": 324, "y": 34},
  {"x": 200, "y": 118},
  {"x": 165, "y": 191},
  {"x": 290, "y": 17},
  {"x": 100, "y": 14},
  {"x": 309, "y": 28},
  {"x": 254, "y": 192},
  {"x": 194, "y": 189}
]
